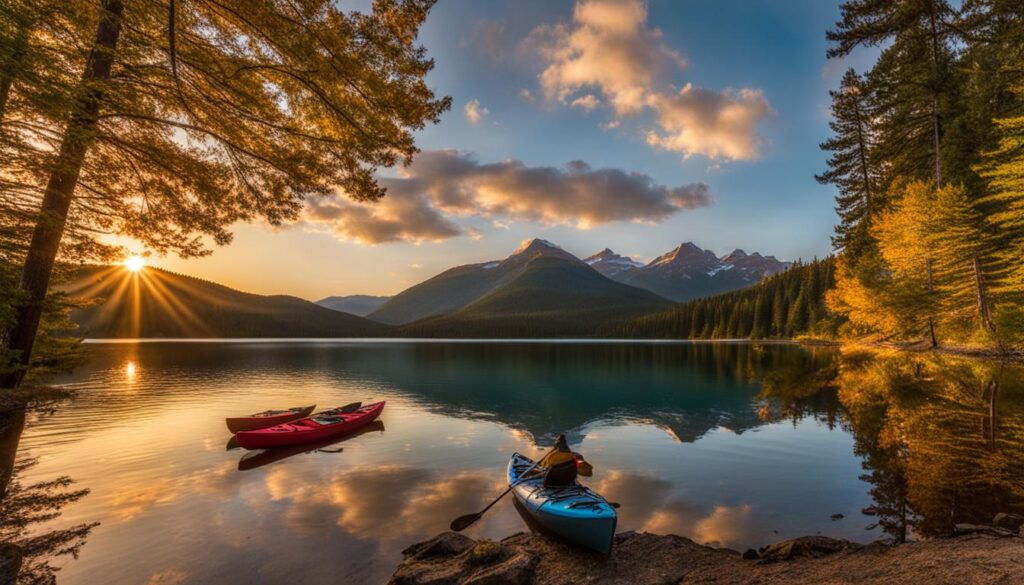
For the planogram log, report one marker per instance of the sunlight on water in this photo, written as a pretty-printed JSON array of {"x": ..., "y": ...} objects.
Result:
[
  {"x": 732, "y": 445},
  {"x": 130, "y": 371}
]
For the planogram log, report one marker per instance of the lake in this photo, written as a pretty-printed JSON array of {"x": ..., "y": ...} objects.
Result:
[{"x": 732, "y": 444}]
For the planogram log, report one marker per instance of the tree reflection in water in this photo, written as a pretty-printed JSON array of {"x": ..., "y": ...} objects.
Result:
[
  {"x": 941, "y": 437},
  {"x": 26, "y": 553}
]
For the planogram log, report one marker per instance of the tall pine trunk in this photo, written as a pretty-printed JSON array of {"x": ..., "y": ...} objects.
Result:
[{"x": 78, "y": 136}]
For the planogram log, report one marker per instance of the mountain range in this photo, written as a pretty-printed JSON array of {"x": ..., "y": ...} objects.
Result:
[
  {"x": 540, "y": 287},
  {"x": 689, "y": 272},
  {"x": 685, "y": 273},
  {"x": 540, "y": 290}
]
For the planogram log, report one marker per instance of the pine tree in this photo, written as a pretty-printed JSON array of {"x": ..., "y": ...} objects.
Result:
[
  {"x": 851, "y": 168},
  {"x": 911, "y": 83},
  {"x": 233, "y": 113}
]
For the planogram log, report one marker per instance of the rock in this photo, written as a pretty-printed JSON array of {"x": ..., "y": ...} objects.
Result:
[
  {"x": 517, "y": 570},
  {"x": 837, "y": 517},
  {"x": 750, "y": 554},
  {"x": 454, "y": 559},
  {"x": 1008, "y": 521},
  {"x": 484, "y": 552},
  {"x": 805, "y": 546},
  {"x": 869, "y": 511},
  {"x": 961, "y": 529},
  {"x": 649, "y": 559},
  {"x": 871, "y": 526},
  {"x": 444, "y": 544}
]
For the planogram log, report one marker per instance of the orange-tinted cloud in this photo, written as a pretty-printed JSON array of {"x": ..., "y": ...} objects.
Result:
[
  {"x": 714, "y": 124},
  {"x": 610, "y": 50},
  {"x": 442, "y": 184}
]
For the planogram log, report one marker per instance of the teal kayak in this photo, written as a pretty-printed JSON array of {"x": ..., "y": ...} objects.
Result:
[{"x": 574, "y": 512}]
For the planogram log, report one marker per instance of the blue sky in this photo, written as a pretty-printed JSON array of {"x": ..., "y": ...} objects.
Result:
[{"x": 765, "y": 59}]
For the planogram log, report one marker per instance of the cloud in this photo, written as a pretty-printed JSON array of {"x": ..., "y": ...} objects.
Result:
[
  {"x": 399, "y": 217},
  {"x": 609, "y": 52},
  {"x": 714, "y": 124},
  {"x": 526, "y": 95},
  {"x": 587, "y": 102},
  {"x": 442, "y": 184},
  {"x": 608, "y": 48},
  {"x": 474, "y": 112},
  {"x": 725, "y": 526}
]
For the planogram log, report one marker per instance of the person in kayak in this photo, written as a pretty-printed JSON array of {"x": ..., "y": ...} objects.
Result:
[{"x": 563, "y": 465}]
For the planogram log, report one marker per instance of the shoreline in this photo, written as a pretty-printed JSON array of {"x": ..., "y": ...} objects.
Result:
[
  {"x": 987, "y": 353},
  {"x": 977, "y": 554}
]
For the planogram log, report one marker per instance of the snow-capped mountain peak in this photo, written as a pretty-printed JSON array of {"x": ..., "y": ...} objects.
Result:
[
  {"x": 535, "y": 248},
  {"x": 609, "y": 263},
  {"x": 686, "y": 255}
]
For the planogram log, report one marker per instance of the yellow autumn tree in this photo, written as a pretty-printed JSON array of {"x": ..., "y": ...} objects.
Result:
[
  {"x": 860, "y": 294},
  {"x": 905, "y": 236}
]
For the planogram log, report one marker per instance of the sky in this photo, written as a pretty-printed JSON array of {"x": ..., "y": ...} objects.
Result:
[{"x": 623, "y": 124}]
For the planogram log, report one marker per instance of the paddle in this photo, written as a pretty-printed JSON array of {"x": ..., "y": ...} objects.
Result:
[{"x": 463, "y": 522}]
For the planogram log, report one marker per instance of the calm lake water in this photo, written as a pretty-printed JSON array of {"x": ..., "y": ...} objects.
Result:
[{"x": 732, "y": 444}]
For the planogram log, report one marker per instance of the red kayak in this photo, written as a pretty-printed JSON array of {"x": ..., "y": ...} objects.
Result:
[
  {"x": 322, "y": 425},
  {"x": 267, "y": 418}
]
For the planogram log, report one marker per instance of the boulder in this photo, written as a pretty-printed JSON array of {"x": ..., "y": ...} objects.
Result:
[
  {"x": 444, "y": 544},
  {"x": 515, "y": 570},
  {"x": 1008, "y": 521},
  {"x": 805, "y": 546},
  {"x": 484, "y": 552},
  {"x": 454, "y": 559}
]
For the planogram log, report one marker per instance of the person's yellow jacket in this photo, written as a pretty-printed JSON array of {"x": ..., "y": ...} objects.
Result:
[{"x": 556, "y": 457}]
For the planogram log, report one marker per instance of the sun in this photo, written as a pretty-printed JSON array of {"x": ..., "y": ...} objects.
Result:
[{"x": 134, "y": 263}]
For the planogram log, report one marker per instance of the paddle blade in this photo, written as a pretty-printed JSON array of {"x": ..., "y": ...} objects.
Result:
[{"x": 463, "y": 522}]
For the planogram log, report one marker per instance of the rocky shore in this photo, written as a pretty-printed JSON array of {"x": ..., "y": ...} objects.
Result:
[{"x": 975, "y": 554}]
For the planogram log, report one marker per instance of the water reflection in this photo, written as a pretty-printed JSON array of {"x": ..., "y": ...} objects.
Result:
[
  {"x": 28, "y": 551},
  {"x": 257, "y": 459},
  {"x": 941, "y": 437},
  {"x": 731, "y": 444}
]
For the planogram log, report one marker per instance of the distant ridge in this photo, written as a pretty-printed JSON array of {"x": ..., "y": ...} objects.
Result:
[
  {"x": 360, "y": 305},
  {"x": 158, "y": 303},
  {"x": 689, "y": 272}
]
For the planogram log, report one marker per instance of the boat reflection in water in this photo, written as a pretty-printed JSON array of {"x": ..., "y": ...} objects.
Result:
[
  {"x": 255, "y": 459},
  {"x": 731, "y": 444}
]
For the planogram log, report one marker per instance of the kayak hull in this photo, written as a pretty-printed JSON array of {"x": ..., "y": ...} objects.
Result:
[
  {"x": 307, "y": 430},
  {"x": 254, "y": 422},
  {"x": 575, "y": 512},
  {"x": 255, "y": 459}
]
